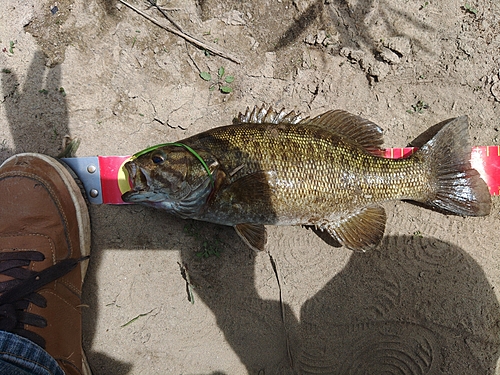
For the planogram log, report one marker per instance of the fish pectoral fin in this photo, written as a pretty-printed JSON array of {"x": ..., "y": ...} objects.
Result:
[
  {"x": 252, "y": 185},
  {"x": 364, "y": 132},
  {"x": 254, "y": 235},
  {"x": 250, "y": 192},
  {"x": 361, "y": 230}
]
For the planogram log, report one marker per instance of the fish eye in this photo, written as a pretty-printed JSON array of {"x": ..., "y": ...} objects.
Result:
[{"x": 157, "y": 159}]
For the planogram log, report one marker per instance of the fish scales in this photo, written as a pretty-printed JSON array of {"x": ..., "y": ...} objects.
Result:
[
  {"x": 273, "y": 168},
  {"x": 309, "y": 170}
]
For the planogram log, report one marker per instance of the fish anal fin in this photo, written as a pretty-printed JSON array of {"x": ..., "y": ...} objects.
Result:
[
  {"x": 254, "y": 235},
  {"x": 360, "y": 231},
  {"x": 364, "y": 132}
]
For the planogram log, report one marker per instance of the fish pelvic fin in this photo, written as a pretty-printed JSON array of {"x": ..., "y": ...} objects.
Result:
[
  {"x": 254, "y": 235},
  {"x": 361, "y": 230},
  {"x": 456, "y": 187}
]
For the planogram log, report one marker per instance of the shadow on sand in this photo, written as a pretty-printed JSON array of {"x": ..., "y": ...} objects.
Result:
[{"x": 413, "y": 306}]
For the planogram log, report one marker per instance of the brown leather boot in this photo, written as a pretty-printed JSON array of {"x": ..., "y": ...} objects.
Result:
[{"x": 44, "y": 245}]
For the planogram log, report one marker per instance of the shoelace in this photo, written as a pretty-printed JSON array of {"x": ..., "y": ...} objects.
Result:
[{"x": 20, "y": 291}]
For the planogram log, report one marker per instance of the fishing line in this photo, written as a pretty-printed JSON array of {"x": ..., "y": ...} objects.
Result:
[{"x": 178, "y": 144}]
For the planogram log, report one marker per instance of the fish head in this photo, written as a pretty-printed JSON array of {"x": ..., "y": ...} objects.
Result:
[{"x": 171, "y": 177}]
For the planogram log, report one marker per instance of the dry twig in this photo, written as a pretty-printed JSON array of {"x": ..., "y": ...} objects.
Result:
[
  {"x": 282, "y": 308},
  {"x": 153, "y": 3},
  {"x": 190, "y": 39}
]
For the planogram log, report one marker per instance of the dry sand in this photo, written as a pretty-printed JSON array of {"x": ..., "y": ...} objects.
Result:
[{"x": 424, "y": 302}]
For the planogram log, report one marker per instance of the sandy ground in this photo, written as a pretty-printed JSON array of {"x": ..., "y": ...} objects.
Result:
[{"x": 424, "y": 302}]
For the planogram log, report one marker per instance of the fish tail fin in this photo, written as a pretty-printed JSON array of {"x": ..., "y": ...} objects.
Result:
[{"x": 455, "y": 186}]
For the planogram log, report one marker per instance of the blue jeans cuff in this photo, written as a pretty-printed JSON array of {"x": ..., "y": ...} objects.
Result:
[{"x": 20, "y": 356}]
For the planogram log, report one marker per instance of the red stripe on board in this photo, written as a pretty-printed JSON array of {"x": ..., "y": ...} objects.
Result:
[
  {"x": 486, "y": 160},
  {"x": 115, "y": 181},
  {"x": 114, "y": 178}
]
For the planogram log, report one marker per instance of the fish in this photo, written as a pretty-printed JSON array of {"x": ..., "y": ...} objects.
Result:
[{"x": 276, "y": 168}]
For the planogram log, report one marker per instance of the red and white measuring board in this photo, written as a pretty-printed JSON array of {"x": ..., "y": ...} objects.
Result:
[{"x": 105, "y": 179}]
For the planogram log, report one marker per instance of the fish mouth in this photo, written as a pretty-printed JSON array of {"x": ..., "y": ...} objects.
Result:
[{"x": 140, "y": 181}]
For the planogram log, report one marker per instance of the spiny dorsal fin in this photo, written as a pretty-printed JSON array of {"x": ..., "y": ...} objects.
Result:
[
  {"x": 364, "y": 132},
  {"x": 254, "y": 235},
  {"x": 263, "y": 115},
  {"x": 362, "y": 230}
]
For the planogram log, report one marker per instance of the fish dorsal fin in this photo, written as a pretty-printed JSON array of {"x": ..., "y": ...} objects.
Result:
[
  {"x": 364, "y": 132},
  {"x": 361, "y": 230},
  {"x": 254, "y": 235},
  {"x": 263, "y": 115}
]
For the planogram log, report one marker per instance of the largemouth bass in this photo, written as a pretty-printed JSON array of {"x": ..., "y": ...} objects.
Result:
[{"x": 274, "y": 168}]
